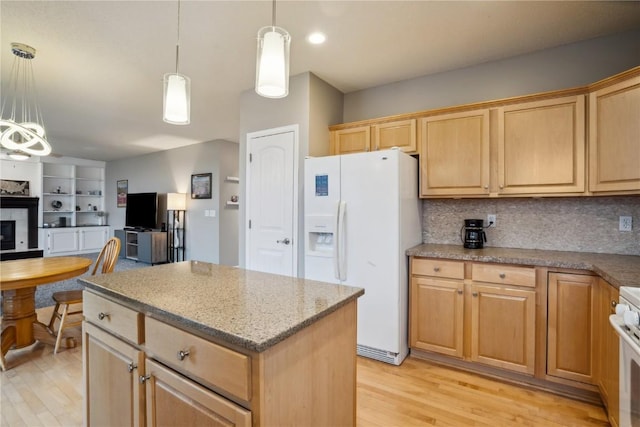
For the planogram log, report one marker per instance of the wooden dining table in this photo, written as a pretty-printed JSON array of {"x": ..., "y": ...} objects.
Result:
[{"x": 18, "y": 282}]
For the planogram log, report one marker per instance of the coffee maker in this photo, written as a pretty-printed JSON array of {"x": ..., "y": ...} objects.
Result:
[{"x": 472, "y": 234}]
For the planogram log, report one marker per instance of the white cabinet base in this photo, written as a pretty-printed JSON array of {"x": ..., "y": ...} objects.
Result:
[{"x": 73, "y": 240}]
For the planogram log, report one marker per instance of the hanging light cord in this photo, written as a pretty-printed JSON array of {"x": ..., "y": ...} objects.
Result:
[
  {"x": 178, "y": 39},
  {"x": 273, "y": 14}
]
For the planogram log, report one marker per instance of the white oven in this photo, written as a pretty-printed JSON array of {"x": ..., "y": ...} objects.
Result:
[{"x": 626, "y": 322}]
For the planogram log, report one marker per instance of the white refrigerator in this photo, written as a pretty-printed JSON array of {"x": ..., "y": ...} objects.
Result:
[{"x": 361, "y": 214}]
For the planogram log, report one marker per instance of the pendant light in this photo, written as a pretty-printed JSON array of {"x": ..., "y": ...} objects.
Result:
[
  {"x": 21, "y": 124},
  {"x": 177, "y": 92},
  {"x": 272, "y": 63}
]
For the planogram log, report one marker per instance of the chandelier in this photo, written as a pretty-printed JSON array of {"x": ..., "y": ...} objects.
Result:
[
  {"x": 272, "y": 62},
  {"x": 21, "y": 124}
]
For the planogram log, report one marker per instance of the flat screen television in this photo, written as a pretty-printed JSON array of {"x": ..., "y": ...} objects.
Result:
[{"x": 141, "y": 212}]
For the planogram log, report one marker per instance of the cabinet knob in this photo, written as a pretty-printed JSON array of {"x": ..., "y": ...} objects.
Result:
[
  {"x": 143, "y": 378},
  {"x": 614, "y": 303},
  {"x": 131, "y": 366},
  {"x": 436, "y": 269},
  {"x": 502, "y": 275},
  {"x": 101, "y": 315},
  {"x": 182, "y": 354},
  {"x": 459, "y": 291},
  {"x": 486, "y": 187},
  {"x": 475, "y": 294}
]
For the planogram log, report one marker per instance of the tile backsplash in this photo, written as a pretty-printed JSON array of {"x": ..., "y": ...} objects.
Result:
[{"x": 580, "y": 224}]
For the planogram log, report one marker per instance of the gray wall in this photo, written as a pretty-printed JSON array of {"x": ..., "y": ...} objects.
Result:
[
  {"x": 311, "y": 104},
  {"x": 586, "y": 224},
  {"x": 170, "y": 172},
  {"x": 564, "y": 67}
]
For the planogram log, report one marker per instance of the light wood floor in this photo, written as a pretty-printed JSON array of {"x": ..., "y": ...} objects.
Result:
[{"x": 41, "y": 389}]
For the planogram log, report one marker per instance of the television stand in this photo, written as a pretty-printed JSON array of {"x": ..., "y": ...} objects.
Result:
[{"x": 144, "y": 246}]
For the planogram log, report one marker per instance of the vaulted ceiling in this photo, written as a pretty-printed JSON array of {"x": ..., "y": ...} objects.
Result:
[{"x": 99, "y": 64}]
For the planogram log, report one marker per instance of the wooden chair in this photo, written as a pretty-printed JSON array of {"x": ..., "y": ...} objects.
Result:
[{"x": 108, "y": 257}]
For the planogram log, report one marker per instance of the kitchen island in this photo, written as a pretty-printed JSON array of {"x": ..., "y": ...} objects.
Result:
[{"x": 194, "y": 342}]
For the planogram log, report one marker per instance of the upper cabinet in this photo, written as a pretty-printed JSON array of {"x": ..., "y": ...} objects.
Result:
[
  {"x": 541, "y": 147},
  {"x": 455, "y": 154},
  {"x": 614, "y": 136},
  {"x": 399, "y": 134},
  {"x": 574, "y": 142}
]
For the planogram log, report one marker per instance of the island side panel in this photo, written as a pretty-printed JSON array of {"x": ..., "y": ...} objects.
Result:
[{"x": 310, "y": 378}]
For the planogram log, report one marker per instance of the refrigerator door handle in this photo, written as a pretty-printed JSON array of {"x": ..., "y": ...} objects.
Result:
[{"x": 341, "y": 256}]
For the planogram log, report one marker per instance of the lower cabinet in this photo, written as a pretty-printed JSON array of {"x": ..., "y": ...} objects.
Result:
[
  {"x": 113, "y": 394},
  {"x": 73, "y": 240},
  {"x": 500, "y": 312},
  {"x": 571, "y": 326},
  {"x": 174, "y": 400},
  {"x": 608, "y": 351},
  {"x": 141, "y": 371}
]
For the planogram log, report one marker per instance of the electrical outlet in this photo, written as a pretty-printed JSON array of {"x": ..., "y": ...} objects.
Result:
[
  {"x": 626, "y": 223},
  {"x": 491, "y": 220}
]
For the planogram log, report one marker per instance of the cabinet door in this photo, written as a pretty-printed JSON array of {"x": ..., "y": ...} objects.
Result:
[
  {"x": 60, "y": 241},
  {"x": 112, "y": 391},
  {"x": 92, "y": 238},
  {"x": 608, "y": 352},
  {"x": 437, "y": 315},
  {"x": 614, "y": 138},
  {"x": 401, "y": 134},
  {"x": 570, "y": 334},
  {"x": 541, "y": 147},
  {"x": 503, "y": 327},
  {"x": 454, "y": 154},
  {"x": 174, "y": 400},
  {"x": 352, "y": 140}
]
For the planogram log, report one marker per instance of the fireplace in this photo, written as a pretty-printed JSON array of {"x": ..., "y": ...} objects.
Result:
[
  {"x": 7, "y": 235},
  {"x": 19, "y": 222}
]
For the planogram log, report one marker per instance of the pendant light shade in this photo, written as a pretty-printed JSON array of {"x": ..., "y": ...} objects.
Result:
[
  {"x": 177, "y": 99},
  {"x": 177, "y": 92},
  {"x": 272, "y": 63},
  {"x": 21, "y": 123}
]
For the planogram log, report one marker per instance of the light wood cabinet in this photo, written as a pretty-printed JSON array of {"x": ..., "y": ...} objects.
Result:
[
  {"x": 541, "y": 147},
  {"x": 608, "y": 350},
  {"x": 614, "y": 137},
  {"x": 352, "y": 140},
  {"x": 571, "y": 326},
  {"x": 173, "y": 400},
  {"x": 454, "y": 154},
  {"x": 380, "y": 136},
  {"x": 141, "y": 370},
  {"x": 113, "y": 394},
  {"x": 503, "y": 303},
  {"x": 501, "y": 313}
]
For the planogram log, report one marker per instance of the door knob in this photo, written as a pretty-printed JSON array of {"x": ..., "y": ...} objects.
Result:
[{"x": 286, "y": 241}]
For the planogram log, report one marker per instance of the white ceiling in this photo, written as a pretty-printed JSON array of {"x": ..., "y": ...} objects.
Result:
[{"x": 99, "y": 64}]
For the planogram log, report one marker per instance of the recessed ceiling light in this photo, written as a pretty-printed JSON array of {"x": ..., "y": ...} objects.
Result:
[{"x": 316, "y": 38}]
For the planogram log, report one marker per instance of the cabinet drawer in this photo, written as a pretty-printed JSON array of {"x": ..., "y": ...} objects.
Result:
[
  {"x": 219, "y": 366},
  {"x": 113, "y": 317},
  {"x": 504, "y": 274},
  {"x": 437, "y": 268}
]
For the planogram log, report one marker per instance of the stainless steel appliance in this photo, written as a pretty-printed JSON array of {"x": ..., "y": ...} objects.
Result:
[
  {"x": 472, "y": 234},
  {"x": 626, "y": 322}
]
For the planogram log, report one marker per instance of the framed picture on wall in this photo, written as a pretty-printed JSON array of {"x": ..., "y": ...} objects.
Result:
[
  {"x": 201, "y": 186},
  {"x": 122, "y": 188}
]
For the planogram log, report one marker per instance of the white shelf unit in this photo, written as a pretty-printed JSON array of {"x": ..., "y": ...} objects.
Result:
[{"x": 72, "y": 195}]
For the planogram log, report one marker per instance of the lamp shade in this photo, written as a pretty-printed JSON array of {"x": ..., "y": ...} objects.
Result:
[
  {"x": 176, "y": 201},
  {"x": 272, "y": 62},
  {"x": 177, "y": 99}
]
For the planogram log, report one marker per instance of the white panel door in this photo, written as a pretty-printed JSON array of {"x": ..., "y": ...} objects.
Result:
[
  {"x": 271, "y": 195},
  {"x": 92, "y": 238},
  {"x": 63, "y": 240},
  {"x": 369, "y": 186}
]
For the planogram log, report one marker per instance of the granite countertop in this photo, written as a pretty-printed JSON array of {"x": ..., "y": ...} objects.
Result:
[
  {"x": 618, "y": 270},
  {"x": 249, "y": 309}
]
